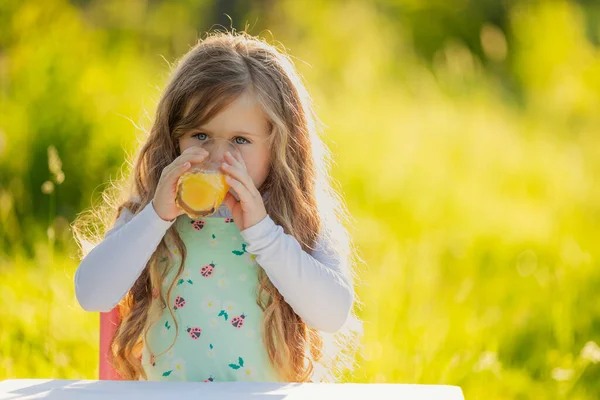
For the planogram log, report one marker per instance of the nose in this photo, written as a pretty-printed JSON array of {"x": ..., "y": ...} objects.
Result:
[{"x": 217, "y": 147}]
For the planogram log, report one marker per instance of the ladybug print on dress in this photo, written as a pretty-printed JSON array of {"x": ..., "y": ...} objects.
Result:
[
  {"x": 179, "y": 302},
  {"x": 194, "y": 332},
  {"x": 238, "y": 322},
  {"x": 198, "y": 225},
  {"x": 228, "y": 220},
  {"x": 208, "y": 270}
]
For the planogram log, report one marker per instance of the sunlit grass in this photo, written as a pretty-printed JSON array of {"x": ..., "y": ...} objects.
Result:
[{"x": 476, "y": 209}]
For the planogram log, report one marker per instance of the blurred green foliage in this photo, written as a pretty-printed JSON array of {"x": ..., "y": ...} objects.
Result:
[{"x": 466, "y": 140}]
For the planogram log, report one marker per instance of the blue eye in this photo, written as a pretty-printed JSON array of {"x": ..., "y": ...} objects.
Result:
[
  {"x": 241, "y": 140},
  {"x": 200, "y": 136}
]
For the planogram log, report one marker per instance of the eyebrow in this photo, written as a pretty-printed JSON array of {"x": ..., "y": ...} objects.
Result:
[
  {"x": 245, "y": 133},
  {"x": 234, "y": 132}
]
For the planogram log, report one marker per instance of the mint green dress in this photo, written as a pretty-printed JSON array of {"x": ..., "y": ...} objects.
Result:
[{"x": 214, "y": 301}]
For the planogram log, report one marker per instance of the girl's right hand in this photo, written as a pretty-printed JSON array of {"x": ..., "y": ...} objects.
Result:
[{"x": 166, "y": 190}]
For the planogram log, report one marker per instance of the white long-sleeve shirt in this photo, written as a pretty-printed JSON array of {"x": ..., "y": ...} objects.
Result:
[{"x": 317, "y": 285}]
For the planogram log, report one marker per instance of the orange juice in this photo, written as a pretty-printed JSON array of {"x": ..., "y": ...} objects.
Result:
[{"x": 199, "y": 194}]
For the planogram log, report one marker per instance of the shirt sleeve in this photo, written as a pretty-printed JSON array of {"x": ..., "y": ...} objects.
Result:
[
  {"x": 111, "y": 268},
  {"x": 317, "y": 285}
]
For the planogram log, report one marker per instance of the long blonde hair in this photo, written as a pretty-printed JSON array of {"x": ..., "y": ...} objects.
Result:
[{"x": 301, "y": 197}]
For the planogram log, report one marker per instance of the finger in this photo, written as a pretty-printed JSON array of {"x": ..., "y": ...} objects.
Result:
[
  {"x": 167, "y": 170},
  {"x": 238, "y": 157},
  {"x": 193, "y": 158},
  {"x": 241, "y": 176},
  {"x": 182, "y": 167},
  {"x": 240, "y": 189},
  {"x": 191, "y": 154},
  {"x": 175, "y": 171},
  {"x": 234, "y": 161},
  {"x": 238, "y": 162}
]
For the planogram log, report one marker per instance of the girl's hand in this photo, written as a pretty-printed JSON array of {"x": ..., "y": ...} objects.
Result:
[
  {"x": 250, "y": 209},
  {"x": 166, "y": 190}
]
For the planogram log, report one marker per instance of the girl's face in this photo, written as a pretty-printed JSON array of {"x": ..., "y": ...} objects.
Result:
[{"x": 244, "y": 124}]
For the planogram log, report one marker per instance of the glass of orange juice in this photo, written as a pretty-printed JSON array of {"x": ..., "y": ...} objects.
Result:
[{"x": 201, "y": 190}]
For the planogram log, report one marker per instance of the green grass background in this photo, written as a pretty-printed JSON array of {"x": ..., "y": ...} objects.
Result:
[{"x": 466, "y": 140}]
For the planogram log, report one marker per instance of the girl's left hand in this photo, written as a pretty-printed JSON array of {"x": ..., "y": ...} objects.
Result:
[{"x": 250, "y": 209}]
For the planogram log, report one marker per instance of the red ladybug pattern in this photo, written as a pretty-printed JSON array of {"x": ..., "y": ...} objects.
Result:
[
  {"x": 179, "y": 302},
  {"x": 228, "y": 220},
  {"x": 208, "y": 270},
  {"x": 198, "y": 225},
  {"x": 194, "y": 332},
  {"x": 238, "y": 322}
]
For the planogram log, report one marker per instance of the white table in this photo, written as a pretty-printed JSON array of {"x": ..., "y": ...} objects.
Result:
[{"x": 90, "y": 389}]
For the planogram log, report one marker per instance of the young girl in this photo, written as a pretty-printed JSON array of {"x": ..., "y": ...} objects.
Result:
[{"x": 254, "y": 291}]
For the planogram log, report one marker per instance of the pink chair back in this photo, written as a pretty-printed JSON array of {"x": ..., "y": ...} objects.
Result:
[{"x": 108, "y": 327}]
